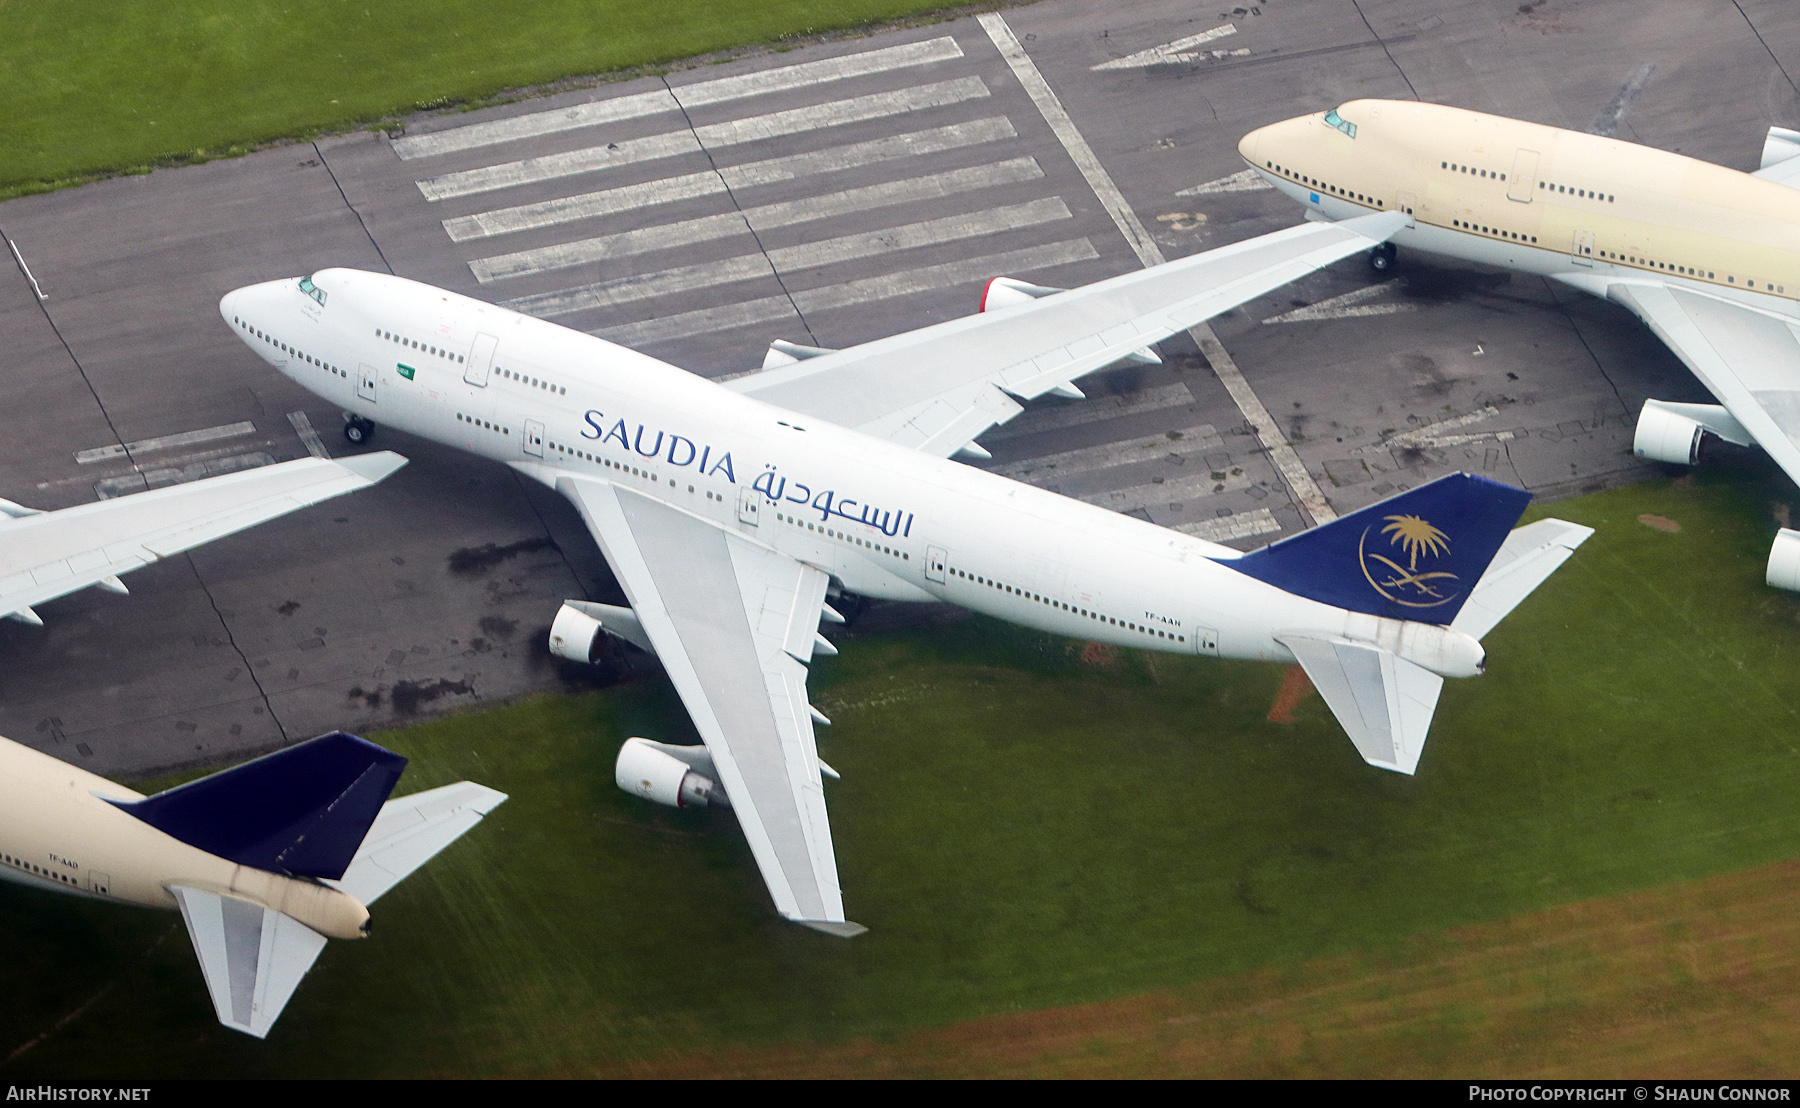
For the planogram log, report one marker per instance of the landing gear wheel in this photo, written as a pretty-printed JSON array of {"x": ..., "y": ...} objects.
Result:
[
  {"x": 1381, "y": 259},
  {"x": 358, "y": 430}
]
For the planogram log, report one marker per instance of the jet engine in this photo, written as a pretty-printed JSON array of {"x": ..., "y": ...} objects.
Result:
[
  {"x": 578, "y": 624},
  {"x": 668, "y": 775},
  {"x": 1784, "y": 560},
  {"x": 1673, "y": 432}
]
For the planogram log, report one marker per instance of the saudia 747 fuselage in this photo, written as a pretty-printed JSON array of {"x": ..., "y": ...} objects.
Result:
[
  {"x": 1379, "y": 606},
  {"x": 884, "y": 520}
]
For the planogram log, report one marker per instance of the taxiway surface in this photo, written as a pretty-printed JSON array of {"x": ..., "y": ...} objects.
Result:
[{"x": 826, "y": 195}]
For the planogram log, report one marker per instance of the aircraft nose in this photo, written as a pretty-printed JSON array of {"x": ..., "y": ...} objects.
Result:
[
  {"x": 231, "y": 305},
  {"x": 1251, "y": 145}
]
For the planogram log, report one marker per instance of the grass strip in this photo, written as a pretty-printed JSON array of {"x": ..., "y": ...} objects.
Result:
[
  {"x": 95, "y": 90},
  {"x": 1024, "y": 824}
]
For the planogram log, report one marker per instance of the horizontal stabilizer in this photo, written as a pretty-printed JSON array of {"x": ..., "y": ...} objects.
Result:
[
  {"x": 253, "y": 957},
  {"x": 1415, "y": 556},
  {"x": 1383, "y": 701},
  {"x": 410, "y": 831},
  {"x": 302, "y": 811},
  {"x": 1527, "y": 558}
]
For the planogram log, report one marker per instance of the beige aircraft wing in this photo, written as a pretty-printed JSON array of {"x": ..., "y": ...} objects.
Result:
[
  {"x": 44, "y": 555},
  {"x": 734, "y": 623}
]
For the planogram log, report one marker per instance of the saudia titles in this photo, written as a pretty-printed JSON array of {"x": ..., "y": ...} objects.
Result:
[
  {"x": 683, "y": 451},
  {"x": 1407, "y": 584}
]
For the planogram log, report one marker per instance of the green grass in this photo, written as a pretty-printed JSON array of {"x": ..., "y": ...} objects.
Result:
[
  {"x": 1018, "y": 831},
  {"x": 94, "y": 88}
]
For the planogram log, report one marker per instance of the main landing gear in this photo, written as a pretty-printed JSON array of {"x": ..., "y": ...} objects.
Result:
[
  {"x": 1381, "y": 259},
  {"x": 358, "y": 430}
]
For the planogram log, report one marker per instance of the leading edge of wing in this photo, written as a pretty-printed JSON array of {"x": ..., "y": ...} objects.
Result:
[
  {"x": 733, "y": 622},
  {"x": 45, "y": 555},
  {"x": 1748, "y": 359},
  {"x": 1030, "y": 348}
]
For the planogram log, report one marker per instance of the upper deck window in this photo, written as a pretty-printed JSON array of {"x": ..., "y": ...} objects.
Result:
[
  {"x": 312, "y": 290},
  {"x": 1338, "y": 121}
]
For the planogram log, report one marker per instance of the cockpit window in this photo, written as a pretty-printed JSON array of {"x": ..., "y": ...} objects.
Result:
[
  {"x": 312, "y": 290},
  {"x": 1342, "y": 124}
]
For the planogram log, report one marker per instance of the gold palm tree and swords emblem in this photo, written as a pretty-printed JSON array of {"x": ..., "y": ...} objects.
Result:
[{"x": 1408, "y": 584}]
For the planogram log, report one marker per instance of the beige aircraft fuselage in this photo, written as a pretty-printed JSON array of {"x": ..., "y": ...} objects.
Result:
[
  {"x": 58, "y": 833},
  {"x": 1581, "y": 208}
]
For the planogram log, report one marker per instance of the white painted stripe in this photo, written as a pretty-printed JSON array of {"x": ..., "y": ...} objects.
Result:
[
  {"x": 643, "y": 286},
  {"x": 950, "y": 228},
  {"x": 589, "y": 205},
  {"x": 767, "y": 217},
  {"x": 878, "y": 105},
  {"x": 1312, "y": 501},
  {"x": 621, "y": 290},
  {"x": 1170, "y": 53},
  {"x": 1454, "y": 423},
  {"x": 1145, "y": 448},
  {"x": 178, "y": 473},
  {"x": 308, "y": 437},
  {"x": 632, "y": 197},
  {"x": 772, "y": 308},
  {"x": 1280, "y": 452},
  {"x": 1433, "y": 435},
  {"x": 703, "y": 322},
  {"x": 1243, "y": 525},
  {"x": 165, "y": 442},
  {"x": 1094, "y": 410},
  {"x": 1248, "y": 180},
  {"x": 912, "y": 281},
  {"x": 1179, "y": 490},
  {"x": 713, "y": 91},
  {"x": 1341, "y": 307}
]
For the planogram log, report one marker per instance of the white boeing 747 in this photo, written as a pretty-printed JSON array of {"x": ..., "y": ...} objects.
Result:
[
  {"x": 265, "y": 860},
  {"x": 1702, "y": 254},
  {"x": 728, "y": 511}
]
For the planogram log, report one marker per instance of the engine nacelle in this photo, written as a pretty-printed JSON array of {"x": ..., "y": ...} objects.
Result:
[
  {"x": 1784, "y": 561},
  {"x": 578, "y": 625},
  {"x": 668, "y": 774},
  {"x": 1672, "y": 432}
]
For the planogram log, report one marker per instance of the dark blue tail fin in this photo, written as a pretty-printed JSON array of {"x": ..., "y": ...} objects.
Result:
[
  {"x": 301, "y": 811},
  {"x": 1414, "y": 556}
]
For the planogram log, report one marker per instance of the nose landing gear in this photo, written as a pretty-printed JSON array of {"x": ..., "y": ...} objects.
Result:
[
  {"x": 358, "y": 430},
  {"x": 1381, "y": 259}
]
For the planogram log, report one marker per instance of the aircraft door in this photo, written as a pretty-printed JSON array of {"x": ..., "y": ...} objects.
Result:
[
  {"x": 365, "y": 382},
  {"x": 749, "y": 506},
  {"x": 1581, "y": 251},
  {"x": 937, "y": 562},
  {"x": 1523, "y": 181},
  {"x": 481, "y": 359},
  {"x": 1204, "y": 640},
  {"x": 1406, "y": 200},
  {"x": 533, "y": 442},
  {"x": 99, "y": 883}
]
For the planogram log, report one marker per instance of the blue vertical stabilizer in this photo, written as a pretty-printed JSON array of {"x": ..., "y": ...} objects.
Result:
[
  {"x": 1415, "y": 556},
  {"x": 301, "y": 811}
]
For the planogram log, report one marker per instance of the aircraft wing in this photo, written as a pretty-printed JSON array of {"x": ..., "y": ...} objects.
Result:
[
  {"x": 409, "y": 831},
  {"x": 1748, "y": 359},
  {"x": 734, "y": 623},
  {"x": 44, "y": 555},
  {"x": 938, "y": 387},
  {"x": 253, "y": 957}
]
